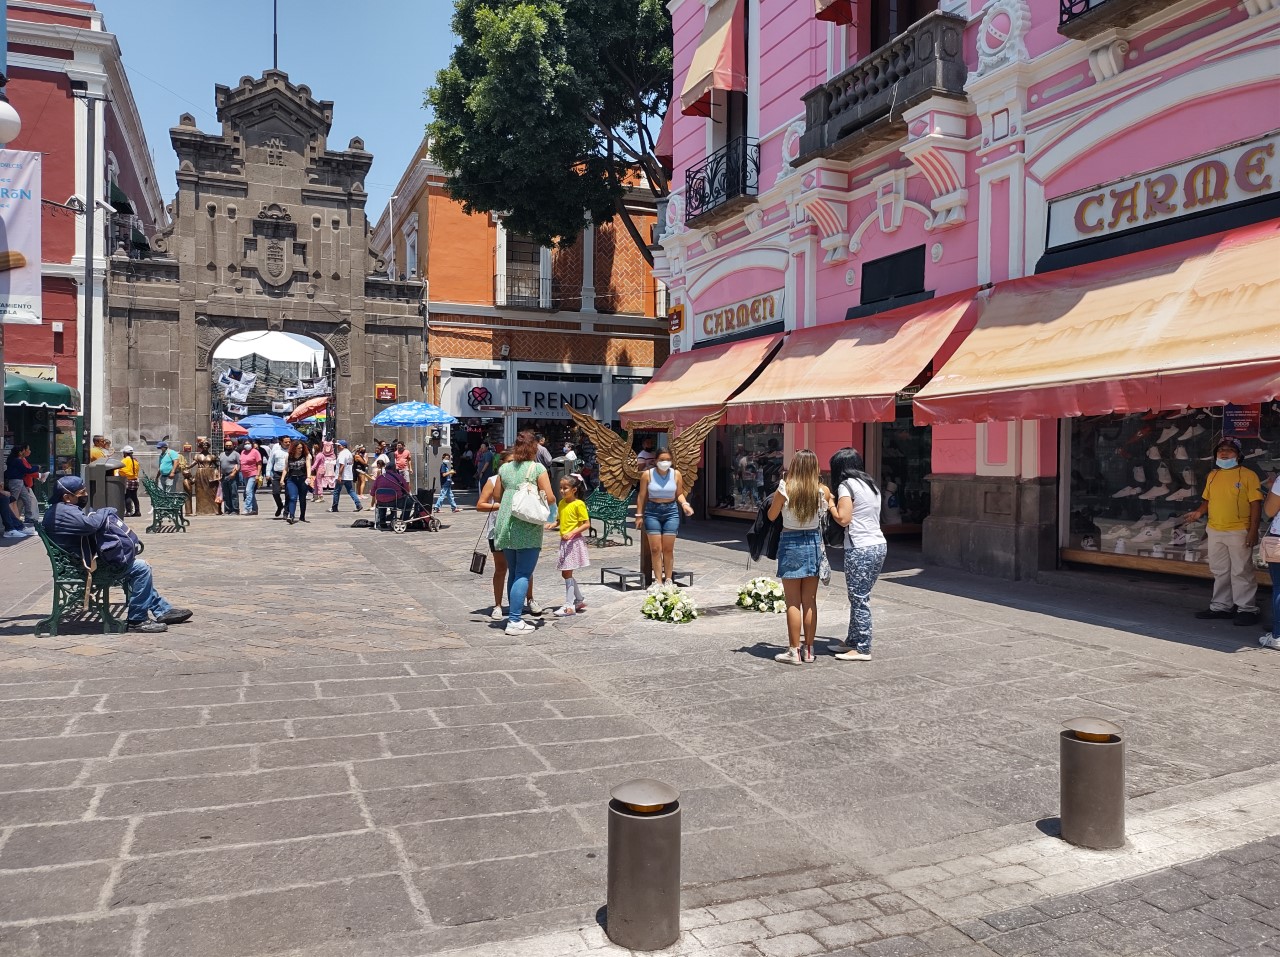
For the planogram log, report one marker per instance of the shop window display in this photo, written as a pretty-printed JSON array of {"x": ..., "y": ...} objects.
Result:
[
  {"x": 749, "y": 462},
  {"x": 1134, "y": 477},
  {"x": 905, "y": 462}
]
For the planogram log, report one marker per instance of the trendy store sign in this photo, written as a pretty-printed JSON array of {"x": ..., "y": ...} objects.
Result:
[{"x": 1219, "y": 179}]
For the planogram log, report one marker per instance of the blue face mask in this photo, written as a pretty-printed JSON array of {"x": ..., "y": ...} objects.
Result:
[{"x": 1225, "y": 463}]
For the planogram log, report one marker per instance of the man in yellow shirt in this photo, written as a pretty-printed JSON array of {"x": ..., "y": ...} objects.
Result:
[
  {"x": 1232, "y": 498},
  {"x": 129, "y": 470},
  {"x": 101, "y": 448}
]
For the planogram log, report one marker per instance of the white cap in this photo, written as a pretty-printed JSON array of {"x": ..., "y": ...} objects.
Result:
[{"x": 128, "y": 450}]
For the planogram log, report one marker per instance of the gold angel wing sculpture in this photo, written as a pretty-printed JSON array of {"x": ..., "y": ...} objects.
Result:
[
  {"x": 686, "y": 448},
  {"x": 619, "y": 466}
]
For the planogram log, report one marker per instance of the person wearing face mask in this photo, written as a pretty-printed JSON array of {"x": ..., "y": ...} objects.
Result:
[
  {"x": 1232, "y": 499},
  {"x": 658, "y": 506},
  {"x": 229, "y": 468},
  {"x": 250, "y": 466}
]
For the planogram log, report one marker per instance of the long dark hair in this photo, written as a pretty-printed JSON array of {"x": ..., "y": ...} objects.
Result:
[
  {"x": 847, "y": 464},
  {"x": 298, "y": 450}
]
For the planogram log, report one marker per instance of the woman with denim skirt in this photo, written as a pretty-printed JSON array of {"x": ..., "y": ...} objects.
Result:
[
  {"x": 658, "y": 506},
  {"x": 801, "y": 500},
  {"x": 858, "y": 510}
]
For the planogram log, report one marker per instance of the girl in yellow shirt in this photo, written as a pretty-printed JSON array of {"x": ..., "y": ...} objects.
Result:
[
  {"x": 128, "y": 471},
  {"x": 573, "y": 524}
]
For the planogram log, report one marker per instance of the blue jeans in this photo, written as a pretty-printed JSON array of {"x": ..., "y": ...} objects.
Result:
[
  {"x": 1274, "y": 569},
  {"x": 251, "y": 494},
  {"x": 338, "y": 486},
  {"x": 446, "y": 495},
  {"x": 11, "y": 522},
  {"x": 520, "y": 565},
  {"x": 861, "y": 569},
  {"x": 296, "y": 492},
  {"x": 230, "y": 494},
  {"x": 143, "y": 597}
]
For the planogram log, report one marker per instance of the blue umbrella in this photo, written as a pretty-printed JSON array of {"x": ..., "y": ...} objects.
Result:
[
  {"x": 269, "y": 427},
  {"x": 413, "y": 415}
]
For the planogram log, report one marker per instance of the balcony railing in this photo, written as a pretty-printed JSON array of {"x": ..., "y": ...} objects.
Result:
[
  {"x": 865, "y": 103},
  {"x": 527, "y": 288},
  {"x": 1081, "y": 19},
  {"x": 726, "y": 180}
]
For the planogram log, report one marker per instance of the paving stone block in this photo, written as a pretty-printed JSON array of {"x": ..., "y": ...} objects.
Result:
[
  {"x": 500, "y": 890},
  {"x": 247, "y": 824},
  {"x": 135, "y": 701},
  {"x": 894, "y": 947},
  {"x": 382, "y": 722},
  {"x": 557, "y": 730},
  {"x": 446, "y": 766},
  {"x": 62, "y": 891},
  {"x": 466, "y": 840},
  {"x": 186, "y": 739},
  {"x": 37, "y": 807},
  {"x": 470, "y": 738},
  {"x": 124, "y": 800},
  {"x": 368, "y": 686},
  {"x": 48, "y": 707},
  {"x": 493, "y": 713},
  {"x": 173, "y": 765},
  {"x": 1173, "y": 899},
  {"x": 145, "y": 720},
  {"x": 213, "y": 873},
  {"x": 845, "y": 935},
  {"x": 462, "y": 799},
  {"x": 733, "y": 932},
  {"x": 31, "y": 750},
  {"x": 794, "y": 921},
  {"x": 30, "y": 777},
  {"x": 844, "y": 911},
  {"x": 299, "y": 919},
  {"x": 51, "y": 844},
  {"x": 908, "y": 922},
  {"x": 310, "y": 751},
  {"x": 789, "y": 945},
  {"x": 325, "y": 673},
  {"x": 276, "y": 710},
  {"x": 739, "y": 910},
  {"x": 98, "y": 937}
]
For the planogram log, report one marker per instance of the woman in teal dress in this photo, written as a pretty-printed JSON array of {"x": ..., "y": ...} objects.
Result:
[{"x": 520, "y": 541}]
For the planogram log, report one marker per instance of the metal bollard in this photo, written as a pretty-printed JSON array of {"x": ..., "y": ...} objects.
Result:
[
  {"x": 644, "y": 865},
  {"x": 1092, "y": 769}
]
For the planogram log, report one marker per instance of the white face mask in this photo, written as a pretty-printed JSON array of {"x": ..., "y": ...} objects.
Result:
[{"x": 664, "y": 465}]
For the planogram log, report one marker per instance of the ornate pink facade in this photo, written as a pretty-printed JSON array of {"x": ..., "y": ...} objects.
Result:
[{"x": 946, "y": 147}]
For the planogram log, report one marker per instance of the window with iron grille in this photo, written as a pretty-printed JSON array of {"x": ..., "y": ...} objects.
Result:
[{"x": 524, "y": 272}]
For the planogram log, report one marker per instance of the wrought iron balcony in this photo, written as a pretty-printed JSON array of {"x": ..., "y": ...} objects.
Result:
[
  {"x": 723, "y": 182},
  {"x": 864, "y": 104},
  {"x": 1081, "y": 19}
]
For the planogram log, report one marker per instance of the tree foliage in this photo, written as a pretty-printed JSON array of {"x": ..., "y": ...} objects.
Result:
[{"x": 549, "y": 108}]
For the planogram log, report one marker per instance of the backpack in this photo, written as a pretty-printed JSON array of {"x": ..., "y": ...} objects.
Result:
[{"x": 116, "y": 544}]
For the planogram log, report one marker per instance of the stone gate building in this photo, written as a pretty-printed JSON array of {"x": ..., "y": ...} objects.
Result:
[{"x": 268, "y": 232}]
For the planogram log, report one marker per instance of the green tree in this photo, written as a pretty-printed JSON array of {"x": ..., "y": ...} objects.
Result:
[{"x": 549, "y": 109}]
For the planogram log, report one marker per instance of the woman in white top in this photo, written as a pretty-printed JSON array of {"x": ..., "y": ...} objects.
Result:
[
  {"x": 801, "y": 501},
  {"x": 857, "y": 508}
]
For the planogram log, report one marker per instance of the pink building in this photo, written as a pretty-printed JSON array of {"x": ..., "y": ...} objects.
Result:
[{"x": 1014, "y": 250}]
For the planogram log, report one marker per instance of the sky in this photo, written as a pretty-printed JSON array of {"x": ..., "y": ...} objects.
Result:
[{"x": 372, "y": 59}]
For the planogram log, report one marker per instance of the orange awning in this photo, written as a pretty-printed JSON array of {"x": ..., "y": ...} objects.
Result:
[
  {"x": 834, "y": 11},
  {"x": 851, "y": 371},
  {"x": 718, "y": 60},
  {"x": 1188, "y": 325},
  {"x": 693, "y": 384},
  {"x": 664, "y": 148}
]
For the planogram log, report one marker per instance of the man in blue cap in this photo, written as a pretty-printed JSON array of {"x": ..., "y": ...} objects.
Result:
[{"x": 69, "y": 524}]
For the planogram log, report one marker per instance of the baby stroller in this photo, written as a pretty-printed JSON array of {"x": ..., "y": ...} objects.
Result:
[{"x": 405, "y": 510}]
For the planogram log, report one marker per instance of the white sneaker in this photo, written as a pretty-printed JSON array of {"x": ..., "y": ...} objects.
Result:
[
  {"x": 496, "y": 614},
  {"x": 1191, "y": 433},
  {"x": 1126, "y": 492},
  {"x": 854, "y": 655},
  {"x": 1156, "y": 491},
  {"x": 1153, "y": 453},
  {"x": 1167, "y": 434},
  {"x": 789, "y": 657},
  {"x": 1181, "y": 495},
  {"x": 564, "y": 611},
  {"x": 14, "y": 533},
  {"x": 520, "y": 628},
  {"x": 534, "y": 609},
  {"x": 1180, "y": 453}
]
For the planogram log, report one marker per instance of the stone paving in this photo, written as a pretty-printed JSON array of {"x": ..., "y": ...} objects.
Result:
[{"x": 341, "y": 755}]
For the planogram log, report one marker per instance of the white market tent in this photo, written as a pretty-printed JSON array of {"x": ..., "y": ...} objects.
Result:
[{"x": 275, "y": 346}]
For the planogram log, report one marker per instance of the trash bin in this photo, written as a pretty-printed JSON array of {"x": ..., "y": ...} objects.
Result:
[
  {"x": 557, "y": 472},
  {"x": 643, "y": 911},
  {"x": 106, "y": 489},
  {"x": 1092, "y": 783}
]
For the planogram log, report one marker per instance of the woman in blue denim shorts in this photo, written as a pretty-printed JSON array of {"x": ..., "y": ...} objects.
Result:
[
  {"x": 658, "y": 507},
  {"x": 801, "y": 500}
]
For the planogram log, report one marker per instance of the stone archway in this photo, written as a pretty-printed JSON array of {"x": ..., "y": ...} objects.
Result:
[{"x": 335, "y": 340}]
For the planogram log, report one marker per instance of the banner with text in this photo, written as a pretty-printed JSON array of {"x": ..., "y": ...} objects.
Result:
[{"x": 20, "y": 237}]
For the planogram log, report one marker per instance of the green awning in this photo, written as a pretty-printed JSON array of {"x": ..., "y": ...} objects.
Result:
[
  {"x": 120, "y": 202},
  {"x": 139, "y": 239},
  {"x": 39, "y": 393}
]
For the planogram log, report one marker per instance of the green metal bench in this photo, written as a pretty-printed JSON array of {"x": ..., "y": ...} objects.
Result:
[
  {"x": 611, "y": 513},
  {"x": 76, "y": 592},
  {"x": 165, "y": 506}
]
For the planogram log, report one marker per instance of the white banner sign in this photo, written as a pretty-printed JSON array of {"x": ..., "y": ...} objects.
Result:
[
  {"x": 1207, "y": 182},
  {"x": 20, "y": 300},
  {"x": 237, "y": 409},
  {"x": 281, "y": 408}
]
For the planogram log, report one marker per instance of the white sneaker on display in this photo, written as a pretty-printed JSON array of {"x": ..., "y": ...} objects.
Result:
[
  {"x": 1163, "y": 475},
  {"x": 1126, "y": 492},
  {"x": 1139, "y": 474},
  {"x": 1189, "y": 475},
  {"x": 1153, "y": 453},
  {"x": 1167, "y": 434},
  {"x": 1180, "y": 453},
  {"x": 1117, "y": 531},
  {"x": 1191, "y": 433},
  {"x": 1146, "y": 536},
  {"x": 1120, "y": 548},
  {"x": 1155, "y": 492},
  {"x": 1179, "y": 538},
  {"x": 1255, "y": 453}
]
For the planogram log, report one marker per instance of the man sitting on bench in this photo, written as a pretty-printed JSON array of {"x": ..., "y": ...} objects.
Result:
[
  {"x": 72, "y": 528},
  {"x": 391, "y": 492}
]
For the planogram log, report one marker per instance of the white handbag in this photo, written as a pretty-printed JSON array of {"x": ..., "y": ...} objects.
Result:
[{"x": 528, "y": 503}]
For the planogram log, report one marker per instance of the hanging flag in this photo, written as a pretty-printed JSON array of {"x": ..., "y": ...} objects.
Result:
[
  {"x": 237, "y": 409},
  {"x": 20, "y": 270},
  {"x": 281, "y": 408}
]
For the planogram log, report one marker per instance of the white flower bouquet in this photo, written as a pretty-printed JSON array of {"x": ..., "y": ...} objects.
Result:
[
  {"x": 762, "y": 594},
  {"x": 668, "y": 603}
]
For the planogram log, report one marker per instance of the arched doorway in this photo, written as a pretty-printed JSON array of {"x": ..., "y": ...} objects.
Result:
[{"x": 273, "y": 373}]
